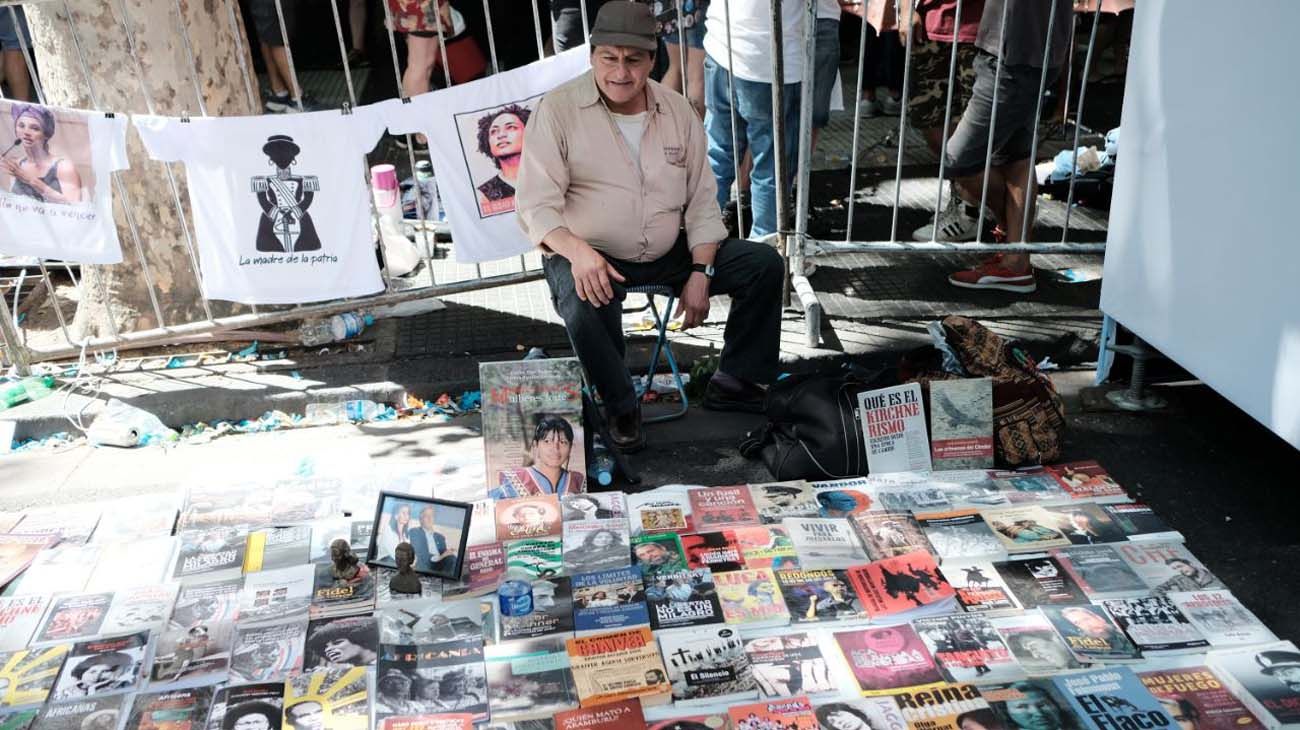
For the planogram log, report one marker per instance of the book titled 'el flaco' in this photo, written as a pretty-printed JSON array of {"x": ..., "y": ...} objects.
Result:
[{"x": 1113, "y": 698}]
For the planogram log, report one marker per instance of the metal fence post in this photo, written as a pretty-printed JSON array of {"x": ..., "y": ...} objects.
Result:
[
  {"x": 778, "y": 141},
  {"x": 14, "y": 348},
  {"x": 798, "y": 280}
]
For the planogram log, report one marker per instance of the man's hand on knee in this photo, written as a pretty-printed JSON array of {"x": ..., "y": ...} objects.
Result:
[
  {"x": 591, "y": 275},
  {"x": 694, "y": 301}
]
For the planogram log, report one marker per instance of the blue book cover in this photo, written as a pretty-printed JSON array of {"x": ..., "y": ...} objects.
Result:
[
  {"x": 609, "y": 600},
  {"x": 1112, "y": 699}
]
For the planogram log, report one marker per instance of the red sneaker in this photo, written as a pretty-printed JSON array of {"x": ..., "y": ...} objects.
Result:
[{"x": 993, "y": 275}]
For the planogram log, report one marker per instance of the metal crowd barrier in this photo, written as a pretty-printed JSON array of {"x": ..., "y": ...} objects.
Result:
[{"x": 796, "y": 245}]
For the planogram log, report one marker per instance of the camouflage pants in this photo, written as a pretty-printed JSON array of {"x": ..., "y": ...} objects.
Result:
[{"x": 930, "y": 60}]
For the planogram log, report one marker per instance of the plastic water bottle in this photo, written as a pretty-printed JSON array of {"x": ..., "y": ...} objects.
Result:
[
  {"x": 352, "y": 410},
  {"x": 34, "y": 387},
  {"x": 601, "y": 468},
  {"x": 340, "y": 327}
]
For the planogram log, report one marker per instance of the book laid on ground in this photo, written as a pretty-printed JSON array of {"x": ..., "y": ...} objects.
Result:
[
  {"x": 19, "y": 617},
  {"x": 1168, "y": 566},
  {"x": 825, "y": 542},
  {"x": 843, "y": 497},
  {"x": 751, "y": 598},
  {"x": 1030, "y": 485},
  {"x": 278, "y": 593},
  {"x": 717, "y": 508},
  {"x": 268, "y": 652},
  {"x": 1091, "y": 634},
  {"x": 520, "y": 395},
  {"x": 980, "y": 588},
  {"x": 1221, "y": 618},
  {"x": 1100, "y": 571},
  {"x": 198, "y": 603},
  {"x": 533, "y": 559},
  {"x": 336, "y": 597},
  {"x": 1195, "y": 695},
  {"x": 62, "y": 568},
  {"x": 918, "y": 497},
  {"x": 874, "y": 712},
  {"x": 181, "y": 709},
  {"x": 621, "y": 715},
  {"x": 887, "y": 658},
  {"x": 776, "y": 501},
  {"x": 484, "y": 567},
  {"x": 790, "y": 713},
  {"x": 682, "y": 599},
  {"x": 101, "y": 711},
  {"x": 70, "y": 524},
  {"x": 893, "y": 426},
  {"x": 579, "y": 506},
  {"x": 529, "y": 679},
  {"x": 141, "y": 607},
  {"x": 143, "y": 561},
  {"x": 1156, "y": 626},
  {"x": 1035, "y": 644},
  {"x": 17, "y": 552},
  {"x": 618, "y": 665},
  {"x": 961, "y": 423},
  {"x": 708, "y": 666},
  {"x": 277, "y": 547},
  {"x": 73, "y": 617},
  {"x": 427, "y": 621},
  {"x": 552, "y": 612},
  {"x": 428, "y": 679},
  {"x": 888, "y": 534},
  {"x": 788, "y": 665},
  {"x": 342, "y": 641},
  {"x": 594, "y": 545},
  {"x": 217, "y": 552},
  {"x": 968, "y": 649},
  {"x": 1088, "y": 481},
  {"x": 658, "y": 553},
  {"x": 445, "y": 721},
  {"x": 192, "y": 656},
  {"x": 1266, "y": 678},
  {"x": 961, "y": 535},
  {"x": 945, "y": 707},
  {"x": 1113, "y": 697},
  {"x": 766, "y": 546},
  {"x": 523, "y": 518},
  {"x": 905, "y": 586},
  {"x": 29, "y": 676},
  {"x": 609, "y": 600},
  {"x": 265, "y": 699},
  {"x": 337, "y": 699},
  {"x": 1140, "y": 523},
  {"x": 818, "y": 596},
  {"x": 124, "y": 657},
  {"x": 664, "y": 509},
  {"x": 1026, "y": 529},
  {"x": 1040, "y": 582},
  {"x": 1085, "y": 523}
]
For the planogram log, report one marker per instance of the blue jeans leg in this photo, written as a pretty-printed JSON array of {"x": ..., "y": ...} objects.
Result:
[
  {"x": 754, "y": 100},
  {"x": 723, "y": 150}
]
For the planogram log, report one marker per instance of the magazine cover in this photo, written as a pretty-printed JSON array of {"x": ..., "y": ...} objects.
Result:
[
  {"x": 1026, "y": 529},
  {"x": 1266, "y": 678},
  {"x": 609, "y": 600},
  {"x": 594, "y": 545},
  {"x": 581, "y": 506},
  {"x": 1040, "y": 582},
  {"x": 426, "y": 621},
  {"x": 968, "y": 649},
  {"x": 485, "y": 565},
  {"x": 1035, "y": 644},
  {"x": 1194, "y": 696},
  {"x": 897, "y": 585},
  {"x": 262, "y": 705},
  {"x": 708, "y": 665},
  {"x": 533, "y": 559},
  {"x": 1100, "y": 571},
  {"x": 1085, "y": 523},
  {"x": 818, "y": 595},
  {"x": 717, "y": 508},
  {"x": 26, "y": 677},
  {"x": 718, "y": 551},
  {"x": 1112, "y": 697},
  {"x": 199, "y": 603},
  {"x": 214, "y": 549},
  {"x": 529, "y": 679},
  {"x": 1168, "y": 566},
  {"x": 328, "y": 699},
  {"x": 102, "y": 666},
  {"x": 893, "y": 424},
  {"x": 17, "y": 552},
  {"x": 945, "y": 707},
  {"x": 341, "y": 643},
  {"x": 275, "y": 594},
  {"x": 979, "y": 587},
  {"x": 431, "y": 679},
  {"x": 887, "y": 658},
  {"x": 268, "y": 652},
  {"x": 825, "y": 543},
  {"x": 552, "y": 612},
  {"x": 524, "y": 518},
  {"x": 843, "y": 497},
  {"x": 623, "y": 715},
  {"x": 1091, "y": 634},
  {"x": 1155, "y": 625},
  {"x": 664, "y": 509},
  {"x": 532, "y": 427},
  {"x": 683, "y": 598},
  {"x": 878, "y": 713},
  {"x": 180, "y": 709},
  {"x": 19, "y": 617},
  {"x": 141, "y": 607},
  {"x": 658, "y": 553},
  {"x": 1087, "y": 480},
  {"x": 99, "y": 713},
  {"x": 751, "y": 598},
  {"x": 73, "y": 617},
  {"x": 194, "y": 655},
  {"x": 1221, "y": 618},
  {"x": 766, "y": 546},
  {"x": 961, "y": 423},
  {"x": 776, "y": 501},
  {"x": 619, "y": 665},
  {"x": 789, "y": 665},
  {"x": 791, "y": 713},
  {"x": 961, "y": 535},
  {"x": 889, "y": 534}
]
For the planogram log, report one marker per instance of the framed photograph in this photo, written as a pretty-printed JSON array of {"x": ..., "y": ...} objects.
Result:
[{"x": 437, "y": 530}]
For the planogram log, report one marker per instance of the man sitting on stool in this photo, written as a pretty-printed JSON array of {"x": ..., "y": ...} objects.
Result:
[{"x": 616, "y": 188}]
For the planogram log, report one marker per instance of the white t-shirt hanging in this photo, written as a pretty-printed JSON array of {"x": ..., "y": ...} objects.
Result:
[
  {"x": 281, "y": 210},
  {"x": 476, "y": 139},
  {"x": 56, "y": 198}
]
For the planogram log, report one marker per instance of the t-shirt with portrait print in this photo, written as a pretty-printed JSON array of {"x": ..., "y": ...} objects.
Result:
[
  {"x": 281, "y": 210},
  {"x": 56, "y": 199}
]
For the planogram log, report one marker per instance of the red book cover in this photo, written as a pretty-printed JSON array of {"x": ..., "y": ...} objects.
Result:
[
  {"x": 1086, "y": 480},
  {"x": 718, "y": 551},
  {"x": 18, "y": 551},
  {"x": 787, "y": 713},
  {"x": 715, "y": 508},
  {"x": 1196, "y": 695},
  {"x": 887, "y": 658},
  {"x": 895, "y": 585},
  {"x": 690, "y": 722},
  {"x": 624, "y": 715},
  {"x": 525, "y": 518},
  {"x": 450, "y": 721}
]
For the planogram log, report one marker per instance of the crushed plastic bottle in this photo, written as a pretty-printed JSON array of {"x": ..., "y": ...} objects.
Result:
[
  {"x": 344, "y": 412},
  {"x": 313, "y": 332},
  {"x": 31, "y": 388}
]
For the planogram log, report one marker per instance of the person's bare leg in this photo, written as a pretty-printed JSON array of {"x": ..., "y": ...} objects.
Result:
[
  {"x": 357, "y": 24},
  {"x": 673, "y": 76},
  {"x": 15, "y": 72},
  {"x": 1016, "y": 196},
  {"x": 970, "y": 188},
  {"x": 695, "y": 79},
  {"x": 279, "y": 83},
  {"x": 420, "y": 56}
]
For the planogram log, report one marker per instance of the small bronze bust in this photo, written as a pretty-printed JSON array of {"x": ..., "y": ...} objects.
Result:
[
  {"x": 346, "y": 566},
  {"x": 406, "y": 581}
]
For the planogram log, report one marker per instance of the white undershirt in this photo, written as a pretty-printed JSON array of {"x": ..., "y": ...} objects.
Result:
[{"x": 633, "y": 127}]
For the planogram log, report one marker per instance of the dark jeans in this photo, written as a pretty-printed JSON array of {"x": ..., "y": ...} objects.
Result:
[
  {"x": 749, "y": 272},
  {"x": 566, "y": 22}
]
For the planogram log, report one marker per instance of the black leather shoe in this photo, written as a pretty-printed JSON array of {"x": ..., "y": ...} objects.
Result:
[
  {"x": 625, "y": 430},
  {"x": 747, "y": 399}
]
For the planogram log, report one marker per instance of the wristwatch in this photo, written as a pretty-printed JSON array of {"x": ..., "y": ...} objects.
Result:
[{"x": 706, "y": 269}]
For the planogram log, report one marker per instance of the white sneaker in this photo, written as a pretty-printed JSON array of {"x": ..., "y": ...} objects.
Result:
[
  {"x": 953, "y": 224},
  {"x": 889, "y": 106},
  {"x": 869, "y": 108}
]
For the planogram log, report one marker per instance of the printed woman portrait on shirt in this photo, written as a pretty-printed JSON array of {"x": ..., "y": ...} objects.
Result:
[
  {"x": 550, "y": 452},
  {"x": 492, "y": 141},
  {"x": 285, "y": 226},
  {"x": 45, "y": 156}
]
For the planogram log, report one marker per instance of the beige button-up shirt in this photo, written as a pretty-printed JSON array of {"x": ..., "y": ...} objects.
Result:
[{"x": 578, "y": 173}]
